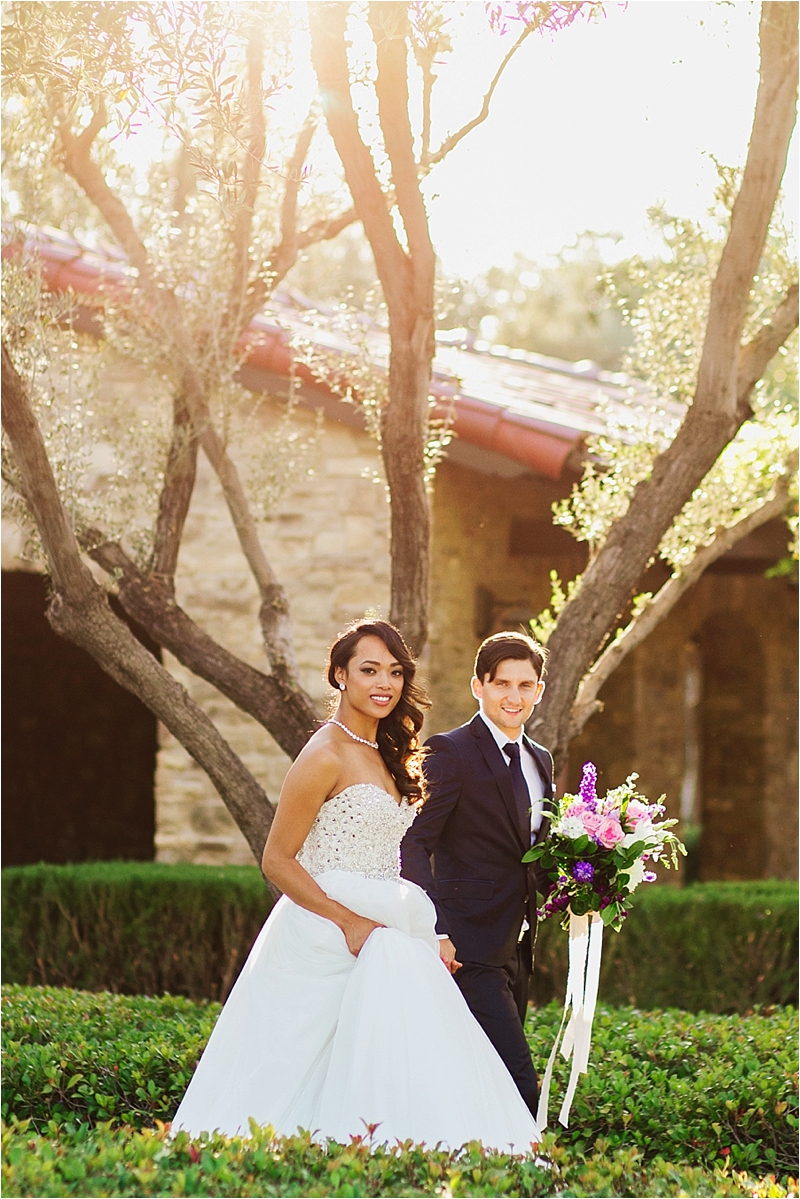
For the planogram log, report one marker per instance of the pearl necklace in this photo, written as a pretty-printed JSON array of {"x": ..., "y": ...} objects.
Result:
[{"x": 363, "y": 740}]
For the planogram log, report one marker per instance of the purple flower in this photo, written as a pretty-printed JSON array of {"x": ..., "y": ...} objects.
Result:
[
  {"x": 583, "y": 872},
  {"x": 605, "y": 902},
  {"x": 588, "y": 787},
  {"x": 649, "y": 876},
  {"x": 561, "y": 902}
]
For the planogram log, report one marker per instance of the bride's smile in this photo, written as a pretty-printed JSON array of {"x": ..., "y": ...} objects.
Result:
[{"x": 370, "y": 687}]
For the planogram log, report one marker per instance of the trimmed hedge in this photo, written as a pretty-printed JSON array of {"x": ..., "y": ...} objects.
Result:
[
  {"x": 702, "y": 1090},
  {"x": 131, "y": 927},
  {"x": 713, "y": 947},
  {"x": 121, "y": 1162},
  {"x": 147, "y": 928}
]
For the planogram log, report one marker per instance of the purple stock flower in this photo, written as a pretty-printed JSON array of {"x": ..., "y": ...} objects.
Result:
[
  {"x": 588, "y": 787},
  {"x": 583, "y": 872}
]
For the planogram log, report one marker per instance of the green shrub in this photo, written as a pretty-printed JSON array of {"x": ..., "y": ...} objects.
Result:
[
  {"x": 714, "y": 947},
  {"x": 122, "y": 1162},
  {"x": 148, "y": 928},
  {"x": 131, "y": 927},
  {"x": 697, "y": 1089},
  {"x": 693, "y": 1088},
  {"x": 93, "y": 1056}
]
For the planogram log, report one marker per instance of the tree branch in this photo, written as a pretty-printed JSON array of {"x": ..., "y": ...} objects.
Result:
[
  {"x": 389, "y": 24},
  {"x": 284, "y": 256},
  {"x": 755, "y": 357},
  {"x": 430, "y": 160},
  {"x": 274, "y": 613},
  {"x": 327, "y": 21},
  {"x": 149, "y": 600},
  {"x": 79, "y": 611},
  {"x": 176, "y": 494},
  {"x": 88, "y": 175},
  {"x": 714, "y": 416},
  {"x": 586, "y": 702},
  {"x": 234, "y": 321},
  {"x": 327, "y": 229}
]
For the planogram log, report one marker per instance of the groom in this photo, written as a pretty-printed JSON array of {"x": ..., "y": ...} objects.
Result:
[{"x": 487, "y": 782}]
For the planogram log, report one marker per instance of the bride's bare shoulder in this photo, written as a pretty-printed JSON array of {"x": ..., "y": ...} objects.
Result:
[{"x": 318, "y": 763}]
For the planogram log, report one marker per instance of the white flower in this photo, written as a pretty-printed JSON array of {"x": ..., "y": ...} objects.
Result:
[
  {"x": 636, "y": 874},
  {"x": 644, "y": 832},
  {"x": 571, "y": 827}
]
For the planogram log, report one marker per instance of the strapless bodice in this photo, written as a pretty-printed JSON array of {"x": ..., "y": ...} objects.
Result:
[{"x": 359, "y": 831}]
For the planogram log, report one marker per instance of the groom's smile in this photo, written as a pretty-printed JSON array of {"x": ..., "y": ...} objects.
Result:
[{"x": 509, "y": 698}]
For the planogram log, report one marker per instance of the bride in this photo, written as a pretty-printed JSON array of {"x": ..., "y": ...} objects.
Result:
[{"x": 344, "y": 1021}]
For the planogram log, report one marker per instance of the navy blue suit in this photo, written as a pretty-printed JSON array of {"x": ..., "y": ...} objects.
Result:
[{"x": 465, "y": 850}]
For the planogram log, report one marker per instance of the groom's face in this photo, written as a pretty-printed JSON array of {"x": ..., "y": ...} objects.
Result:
[{"x": 509, "y": 698}]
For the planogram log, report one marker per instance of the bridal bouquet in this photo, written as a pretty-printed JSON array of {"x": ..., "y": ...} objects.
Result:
[
  {"x": 596, "y": 854},
  {"x": 598, "y": 849}
]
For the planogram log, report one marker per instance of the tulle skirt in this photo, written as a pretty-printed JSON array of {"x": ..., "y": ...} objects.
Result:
[{"x": 312, "y": 1037}]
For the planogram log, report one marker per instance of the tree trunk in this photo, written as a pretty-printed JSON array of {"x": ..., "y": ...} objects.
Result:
[
  {"x": 404, "y": 432},
  {"x": 407, "y": 279},
  {"x": 79, "y": 611}
]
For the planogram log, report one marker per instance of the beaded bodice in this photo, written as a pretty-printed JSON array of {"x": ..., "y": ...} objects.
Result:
[{"x": 359, "y": 830}]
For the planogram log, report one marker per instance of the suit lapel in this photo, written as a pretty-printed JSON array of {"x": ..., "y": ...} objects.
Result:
[{"x": 502, "y": 775}]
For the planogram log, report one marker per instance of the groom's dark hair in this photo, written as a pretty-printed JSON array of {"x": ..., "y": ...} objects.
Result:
[{"x": 500, "y": 646}]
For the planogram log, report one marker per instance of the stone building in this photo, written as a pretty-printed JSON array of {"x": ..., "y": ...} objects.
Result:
[{"x": 704, "y": 710}]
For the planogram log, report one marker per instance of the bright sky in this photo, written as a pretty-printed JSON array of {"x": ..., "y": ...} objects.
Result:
[
  {"x": 592, "y": 127},
  {"x": 587, "y": 129}
]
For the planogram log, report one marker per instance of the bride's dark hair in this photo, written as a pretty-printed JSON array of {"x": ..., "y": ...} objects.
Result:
[{"x": 398, "y": 733}]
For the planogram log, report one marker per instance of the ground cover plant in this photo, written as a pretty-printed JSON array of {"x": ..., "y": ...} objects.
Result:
[
  {"x": 119, "y": 1162},
  {"x": 149, "y": 928},
  {"x": 703, "y": 1090}
]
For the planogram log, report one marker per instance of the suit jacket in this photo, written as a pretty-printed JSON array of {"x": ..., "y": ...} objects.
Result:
[{"x": 470, "y": 826}]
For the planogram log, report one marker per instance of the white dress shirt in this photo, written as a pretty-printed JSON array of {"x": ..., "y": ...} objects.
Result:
[{"x": 530, "y": 771}]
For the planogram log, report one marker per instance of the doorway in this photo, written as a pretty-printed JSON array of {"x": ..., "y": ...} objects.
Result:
[{"x": 78, "y": 750}]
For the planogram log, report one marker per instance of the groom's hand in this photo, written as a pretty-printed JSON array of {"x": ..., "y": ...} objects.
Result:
[{"x": 447, "y": 952}]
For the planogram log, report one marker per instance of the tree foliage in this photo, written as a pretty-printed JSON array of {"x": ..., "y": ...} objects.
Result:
[{"x": 202, "y": 239}]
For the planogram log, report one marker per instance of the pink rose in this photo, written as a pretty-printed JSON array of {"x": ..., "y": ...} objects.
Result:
[
  {"x": 610, "y": 833},
  {"x": 576, "y": 808},
  {"x": 591, "y": 822},
  {"x": 638, "y": 815}
]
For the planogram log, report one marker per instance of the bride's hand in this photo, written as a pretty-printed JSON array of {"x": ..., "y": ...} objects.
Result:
[
  {"x": 356, "y": 931},
  {"x": 447, "y": 952}
]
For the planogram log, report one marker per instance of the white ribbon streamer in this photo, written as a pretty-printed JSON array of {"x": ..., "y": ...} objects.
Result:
[{"x": 585, "y": 950}]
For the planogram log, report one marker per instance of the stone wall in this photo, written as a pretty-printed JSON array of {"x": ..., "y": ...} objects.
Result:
[
  {"x": 473, "y": 514},
  {"x": 643, "y": 727},
  {"x": 750, "y": 817},
  {"x": 327, "y": 541}
]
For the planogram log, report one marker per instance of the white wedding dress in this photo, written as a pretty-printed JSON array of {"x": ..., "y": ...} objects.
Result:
[{"x": 312, "y": 1037}]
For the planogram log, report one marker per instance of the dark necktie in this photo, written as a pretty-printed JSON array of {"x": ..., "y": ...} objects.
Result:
[{"x": 521, "y": 792}]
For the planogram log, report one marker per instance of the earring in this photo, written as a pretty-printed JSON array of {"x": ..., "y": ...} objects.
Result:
[{"x": 342, "y": 687}]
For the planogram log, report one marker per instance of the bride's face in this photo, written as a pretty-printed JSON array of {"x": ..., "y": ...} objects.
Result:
[{"x": 373, "y": 679}]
